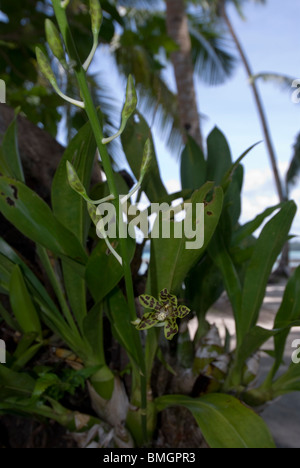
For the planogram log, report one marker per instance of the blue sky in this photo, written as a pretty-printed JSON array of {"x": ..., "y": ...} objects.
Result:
[{"x": 271, "y": 38}]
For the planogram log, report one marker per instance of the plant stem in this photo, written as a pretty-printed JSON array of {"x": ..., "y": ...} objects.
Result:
[{"x": 97, "y": 130}]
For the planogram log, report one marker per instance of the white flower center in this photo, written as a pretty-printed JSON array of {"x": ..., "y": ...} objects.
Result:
[{"x": 162, "y": 316}]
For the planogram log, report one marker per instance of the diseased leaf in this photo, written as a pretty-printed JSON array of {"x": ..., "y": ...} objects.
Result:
[{"x": 33, "y": 217}]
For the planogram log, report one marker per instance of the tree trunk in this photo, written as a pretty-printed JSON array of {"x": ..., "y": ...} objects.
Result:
[{"x": 178, "y": 30}]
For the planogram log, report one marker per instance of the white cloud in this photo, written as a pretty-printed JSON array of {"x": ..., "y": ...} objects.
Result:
[{"x": 173, "y": 186}]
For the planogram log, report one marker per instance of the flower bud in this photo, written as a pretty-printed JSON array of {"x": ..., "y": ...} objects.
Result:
[
  {"x": 45, "y": 66},
  {"x": 96, "y": 16},
  {"x": 74, "y": 181},
  {"x": 131, "y": 100}
]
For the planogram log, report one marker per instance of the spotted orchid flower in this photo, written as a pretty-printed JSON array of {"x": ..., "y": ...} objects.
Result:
[{"x": 165, "y": 312}]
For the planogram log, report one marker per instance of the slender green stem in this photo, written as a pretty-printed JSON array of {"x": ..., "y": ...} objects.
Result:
[
  {"x": 97, "y": 130},
  {"x": 113, "y": 137},
  {"x": 91, "y": 54},
  {"x": 75, "y": 102}
]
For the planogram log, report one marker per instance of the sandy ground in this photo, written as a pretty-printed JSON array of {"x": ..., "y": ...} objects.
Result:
[{"x": 283, "y": 415}]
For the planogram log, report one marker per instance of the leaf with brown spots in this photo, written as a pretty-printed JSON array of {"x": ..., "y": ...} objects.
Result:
[
  {"x": 171, "y": 328},
  {"x": 34, "y": 219}
]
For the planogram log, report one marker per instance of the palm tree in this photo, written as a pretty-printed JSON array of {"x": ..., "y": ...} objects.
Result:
[
  {"x": 218, "y": 8},
  {"x": 188, "y": 41}
]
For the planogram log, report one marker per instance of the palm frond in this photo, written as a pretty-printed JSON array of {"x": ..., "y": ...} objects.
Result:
[
  {"x": 211, "y": 56},
  {"x": 156, "y": 99},
  {"x": 160, "y": 104},
  {"x": 140, "y": 4},
  {"x": 283, "y": 81},
  {"x": 240, "y": 3}
]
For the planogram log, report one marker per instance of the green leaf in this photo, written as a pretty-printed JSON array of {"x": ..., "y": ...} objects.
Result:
[
  {"x": 219, "y": 254},
  {"x": 10, "y": 160},
  {"x": 133, "y": 141},
  {"x": 50, "y": 314},
  {"x": 22, "y": 360},
  {"x": 266, "y": 251},
  {"x": 33, "y": 217},
  {"x": 93, "y": 331},
  {"x": 127, "y": 111},
  {"x": 224, "y": 421},
  {"x": 218, "y": 157},
  {"x": 96, "y": 16},
  {"x": 130, "y": 102},
  {"x": 35, "y": 287},
  {"x": 54, "y": 41},
  {"x": 232, "y": 199},
  {"x": 103, "y": 273},
  {"x": 193, "y": 166},
  {"x": 230, "y": 173},
  {"x": 45, "y": 67},
  {"x": 147, "y": 158},
  {"x": 123, "y": 329},
  {"x": 12, "y": 382},
  {"x": 103, "y": 382},
  {"x": 253, "y": 341},
  {"x": 204, "y": 286},
  {"x": 22, "y": 305},
  {"x": 70, "y": 209},
  {"x": 172, "y": 258},
  {"x": 43, "y": 383}
]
